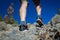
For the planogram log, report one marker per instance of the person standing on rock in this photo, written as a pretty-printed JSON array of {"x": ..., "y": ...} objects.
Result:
[{"x": 24, "y": 4}]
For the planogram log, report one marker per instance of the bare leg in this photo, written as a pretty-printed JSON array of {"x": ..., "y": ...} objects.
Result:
[
  {"x": 38, "y": 9},
  {"x": 23, "y": 8}
]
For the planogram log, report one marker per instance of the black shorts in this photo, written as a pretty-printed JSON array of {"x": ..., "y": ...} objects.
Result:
[
  {"x": 23, "y": 0},
  {"x": 36, "y": 2}
]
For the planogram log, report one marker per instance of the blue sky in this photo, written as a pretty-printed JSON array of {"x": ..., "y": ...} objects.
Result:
[{"x": 49, "y": 9}]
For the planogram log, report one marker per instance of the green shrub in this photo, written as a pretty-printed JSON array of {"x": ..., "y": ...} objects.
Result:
[
  {"x": 59, "y": 11},
  {"x": 1, "y": 18}
]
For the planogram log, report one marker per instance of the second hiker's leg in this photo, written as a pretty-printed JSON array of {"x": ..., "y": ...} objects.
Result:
[{"x": 38, "y": 9}]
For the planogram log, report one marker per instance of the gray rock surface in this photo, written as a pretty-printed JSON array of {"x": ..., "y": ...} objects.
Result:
[
  {"x": 15, "y": 34},
  {"x": 34, "y": 33}
]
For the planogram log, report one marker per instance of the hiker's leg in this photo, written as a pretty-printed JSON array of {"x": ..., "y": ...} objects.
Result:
[
  {"x": 38, "y": 9},
  {"x": 23, "y": 10},
  {"x": 23, "y": 14}
]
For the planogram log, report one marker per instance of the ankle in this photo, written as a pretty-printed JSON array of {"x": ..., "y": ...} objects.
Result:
[
  {"x": 38, "y": 17},
  {"x": 23, "y": 23}
]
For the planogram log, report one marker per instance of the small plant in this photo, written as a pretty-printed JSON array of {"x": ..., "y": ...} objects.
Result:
[
  {"x": 6, "y": 19},
  {"x": 11, "y": 19},
  {"x": 10, "y": 11},
  {"x": 1, "y": 18},
  {"x": 15, "y": 23},
  {"x": 59, "y": 11}
]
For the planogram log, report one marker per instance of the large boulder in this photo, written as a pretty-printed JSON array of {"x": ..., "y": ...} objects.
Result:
[{"x": 56, "y": 19}]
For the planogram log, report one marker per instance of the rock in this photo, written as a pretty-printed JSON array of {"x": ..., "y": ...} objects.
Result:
[
  {"x": 34, "y": 33},
  {"x": 15, "y": 34},
  {"x": 3, "y": 26},
  {"x": 56, "y": 19},
  {"x": 58, "y": 27}
]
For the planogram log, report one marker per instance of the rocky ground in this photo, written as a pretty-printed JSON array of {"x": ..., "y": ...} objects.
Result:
[{"x": 46, "y": 32}]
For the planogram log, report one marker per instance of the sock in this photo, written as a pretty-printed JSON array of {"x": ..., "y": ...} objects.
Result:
[
  {"x": 38, "y": 17},
  {"x": 23, "y": 22}
]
